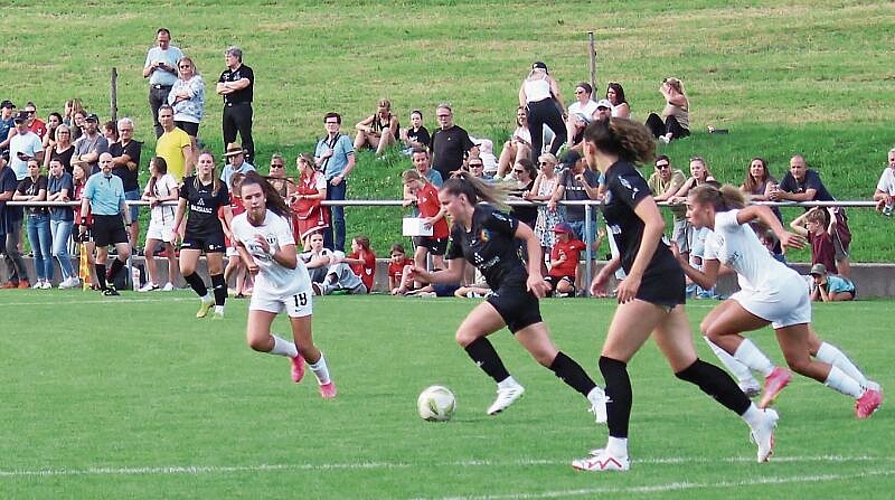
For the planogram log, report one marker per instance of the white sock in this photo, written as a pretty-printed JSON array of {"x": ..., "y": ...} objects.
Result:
[
  {"x": 219, "y": 309},
  {"x": 617, "y": 447},
  {"x": 753, "y": 416},
  {"x": 207, "y": 298},
  {"x": 283, "y": 347},
  {"x": 321, "y": 371},
  {"x": 739, "y": 370},
  {"x": 839, "y": 381},
  {"x": 752, "y": 357},
  {"x": 828, "y": 353},
  {"x": 507, "y": 383}
]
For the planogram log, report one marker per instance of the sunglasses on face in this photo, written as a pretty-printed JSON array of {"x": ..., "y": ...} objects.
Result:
[
  {"x": 518, "y": 170},
  {"x": 276, "y": 166},
  {"x": 475, "y": 165},
  {"x": 662, "y": 166}
]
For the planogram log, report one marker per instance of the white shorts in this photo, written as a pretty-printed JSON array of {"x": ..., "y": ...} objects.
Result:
[
  {"x": 161, "y": 231},
  {"x": 785, "y": 304},
  {"x": 232, "y": 252},
  {"x": 297, "y": 305}
]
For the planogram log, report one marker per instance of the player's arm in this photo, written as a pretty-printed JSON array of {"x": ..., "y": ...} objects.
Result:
[
  {"x": 453, "y": 273},
  {"x": 765, "y": 215}
]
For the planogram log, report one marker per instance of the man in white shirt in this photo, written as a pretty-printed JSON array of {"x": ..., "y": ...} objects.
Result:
[
  {"x": 23, "y": 146},
  {"x": 885, "y": 188},
  {"x": 161, "y": 69}
]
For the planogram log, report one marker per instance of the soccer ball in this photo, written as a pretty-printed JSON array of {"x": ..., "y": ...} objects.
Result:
[{"x": 436, "y": 404}]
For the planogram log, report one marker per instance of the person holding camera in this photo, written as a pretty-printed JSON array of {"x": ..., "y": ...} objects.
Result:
[
  {"x": 675, "y": 120},
  {"x": 161, "y": 69}
]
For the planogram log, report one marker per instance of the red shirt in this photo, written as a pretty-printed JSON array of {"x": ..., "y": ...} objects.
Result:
[
  {"x": 38, "y": 127},
  {"x": 572, "y": 250},
  {"x": 823, "y": 251},
  {"x": 365, "y": 270},
  {"x": 396, "y": 270},
  {"x": 429, "y": 206}
]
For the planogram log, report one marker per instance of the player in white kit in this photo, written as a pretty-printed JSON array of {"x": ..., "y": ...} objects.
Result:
[
  {"x": 770, "y": 292},
  {"x": 265, "y": 243}
]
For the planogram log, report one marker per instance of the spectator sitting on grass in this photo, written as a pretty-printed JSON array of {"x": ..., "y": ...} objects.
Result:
[
  {"x": 675, "y": 120},
  {"x": 396, "y": 264},
  {"x": 885, "y": 188},
  {"x": 317, "y": 258},
  {"x": 486, "y": 156},
  {"x": 581, "y": 112},
  {"x": 615, "y": 94},
  {"x": 830, "y": 287},
  {"x": 417, "y": 136},
  {"x": 378, "y": 130},
  {"x": 519, "y": 145},
  {"x": 352, "y": 274}
]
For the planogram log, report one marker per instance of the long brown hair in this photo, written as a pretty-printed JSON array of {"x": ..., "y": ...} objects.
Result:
[
  {"x": 216, "y": 182},
  {"x": 630, "y": 140},
  {"x": 476, "y": 190},
  {"x": 749, "y": 184},
  {"x": 161, "y": 166},
  {"x": 275, "y": 202},
  {"x": 727, "y": 197}
]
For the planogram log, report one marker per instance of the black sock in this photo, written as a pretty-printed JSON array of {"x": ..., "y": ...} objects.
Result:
[
  {"x": 196, "y": 284},
  {"x": 100, "y": 274},
  {"x": 570, "y": 372},
  {"x": 716, "y": 383},
  {"x": 482, "y": 352},
  {"x": 220, "y": 289},
  {"x": 116, "y": 266},
  {"x": 618, "y": 394}
]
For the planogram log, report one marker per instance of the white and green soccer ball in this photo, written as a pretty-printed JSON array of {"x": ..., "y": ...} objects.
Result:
[{"x": 436, "y": 404}]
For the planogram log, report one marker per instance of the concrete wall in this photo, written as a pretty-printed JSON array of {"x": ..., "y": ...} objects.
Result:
[{"x": 872, "y": 280}]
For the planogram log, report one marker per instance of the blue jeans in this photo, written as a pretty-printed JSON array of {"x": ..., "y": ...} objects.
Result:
[
  {"x": 334, "y": 238},
  {"x": 41, "y": 241},
  {"x": 61, "y": 231}
]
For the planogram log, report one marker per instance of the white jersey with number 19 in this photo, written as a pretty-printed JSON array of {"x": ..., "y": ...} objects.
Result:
[{"x": 273, "y": 279}]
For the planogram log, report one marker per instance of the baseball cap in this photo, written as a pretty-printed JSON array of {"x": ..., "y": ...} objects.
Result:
[
  {"x": 7, "y": 104},
  {"x": 539, "y": 65},
  {"x": 92, "y": 118},
  {"x": 20, "y": 117},
  {"x": 818, "y": 269},
  {"x": 604, "y": 103},
  {"x": 562, "y": 227}
]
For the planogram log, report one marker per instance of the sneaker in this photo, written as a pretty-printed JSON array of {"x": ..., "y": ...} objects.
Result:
[
  {"x": 868, "y": 403},
  {"x": 68, "y": 283},
  {"x": 169, "y": 287},
  {"x": 298, "y": 368},
  {"x": 763, "y": 435},
  {"x": 601, "y": 461},
  {"x": 217, "y": 316},
  {"x": 750, "y": 388},
  {"x": 148, "y": 287},
  {"x": 598, "y": 402},
  {"x": 328, "y": 391},
  {"x": 204, "y": 307},
  {"x": 111, "y": 292},
  {"x": 773, "y": 384},
  {"x": 664, "y": 139},
  {"x": 37, "y": 286},
  {"x": 505, "y": 398}
]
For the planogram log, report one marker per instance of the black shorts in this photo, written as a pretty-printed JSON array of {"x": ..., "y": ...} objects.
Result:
[
  {"x": 211, "y": 242},
  {"x": 668, "y": 289},
  {"x": 517, "y": 306},
  {"x": 191, "y": 129},
  {"x": 436, "y": 246},
  {"x": 108, "y": 230},
  {"x": 554, "y": 280}
]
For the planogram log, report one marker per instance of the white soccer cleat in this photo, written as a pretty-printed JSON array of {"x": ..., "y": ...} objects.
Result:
[
  {"x": 505, "y": 398},
  {"x": 169, "y": 287},
  {"x": 601, "y": 460},
  {"x": 763, "y": 435},
  {"x": 598, "y": 400}
]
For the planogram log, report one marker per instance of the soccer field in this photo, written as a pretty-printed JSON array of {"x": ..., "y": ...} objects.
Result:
[{"x": 134, "y": 398}]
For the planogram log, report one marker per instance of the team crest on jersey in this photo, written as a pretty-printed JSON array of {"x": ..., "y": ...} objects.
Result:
[
  {"x": 201, "y": 202},
  {"x": 627, "y": 185},
  {"x": 484, "y": 236}
]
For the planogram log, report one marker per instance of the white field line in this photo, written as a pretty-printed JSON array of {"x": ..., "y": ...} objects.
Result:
[
  {"x": 682, "y": 486},
  {"x": 196, "y": 470},
  {"x": 122, "y": 300}
]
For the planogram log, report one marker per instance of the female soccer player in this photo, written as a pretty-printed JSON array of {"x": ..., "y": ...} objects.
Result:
[
  {"x": 770, "y": 293},
  {"x": 205, "y": 195},
  {"x": 264, "y": 240},
  {"x": 489, "y": 239},
  {"x": 651, "y": 298}
]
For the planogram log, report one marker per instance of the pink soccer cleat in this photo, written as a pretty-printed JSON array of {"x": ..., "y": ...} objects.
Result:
[
  {"x": 868, "y": 403},
  {"x": 328, "y": 391},
  {"x": 298, "y": 368},
  {"x": 773, "y": 384}
]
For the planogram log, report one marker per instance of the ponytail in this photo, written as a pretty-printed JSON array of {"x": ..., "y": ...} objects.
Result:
[
  {"x": 630, "y": 140},
  {"x": 477, "y": 190},
  {"x": 727, "y": 197}
]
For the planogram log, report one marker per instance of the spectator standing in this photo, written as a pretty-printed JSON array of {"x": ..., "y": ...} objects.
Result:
[
  {"x": 276, "y": 176},
  {"x": 334, "y": 156},
  {"x": 103, "y": 198},
  {"x": 450, "y": 143},
  {"x": 885, "y": 188},
  {"x": 424, "y": 196},
  {"x": 49, "y": 139},
  {"x": 237, "y": 85},
  {"x": 524, "y": 172},
  {"x": 417, "y": 136},
  {"x": 804, "y": 184},
  {"x": 63, "y": 149},
  {"x": 423, "y": 166},
  {"x": 35, "y": 124},
  {"x": 308, "y": 214},
  {"x": 23, "y": 146},
  {"x": 187, "y": 97},
  {"x": 545, "y": 184},
  {"x": 126, "y": 154},
  {"x": 11, "y": 228},
  {"x": 675, "y": 120},
  {"x": 664, "y": 183},
  {"x": 34, "y": 188},
  {"x": 174, "y": 145},
  {"x": 818, "y": 225},
  {"x": 7, "y": 123},
  {"x": 539, "y": 94},
  {"x": 160, "y": 191},
  {"x": 161, "y": 69},
  {"x": 61, "y": 188},
  {"x": 236, "y": 158},
  {"x": 90, "y": 145},
  {"x": 576, "y": 183},
  {"x": 378, "y": 130}
]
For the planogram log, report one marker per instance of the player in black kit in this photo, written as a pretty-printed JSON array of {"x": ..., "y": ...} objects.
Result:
[
  {"x": 206, "y": 195},
  {"x": 489, "y": 239},
  {"x": 651, "y": 298}
]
